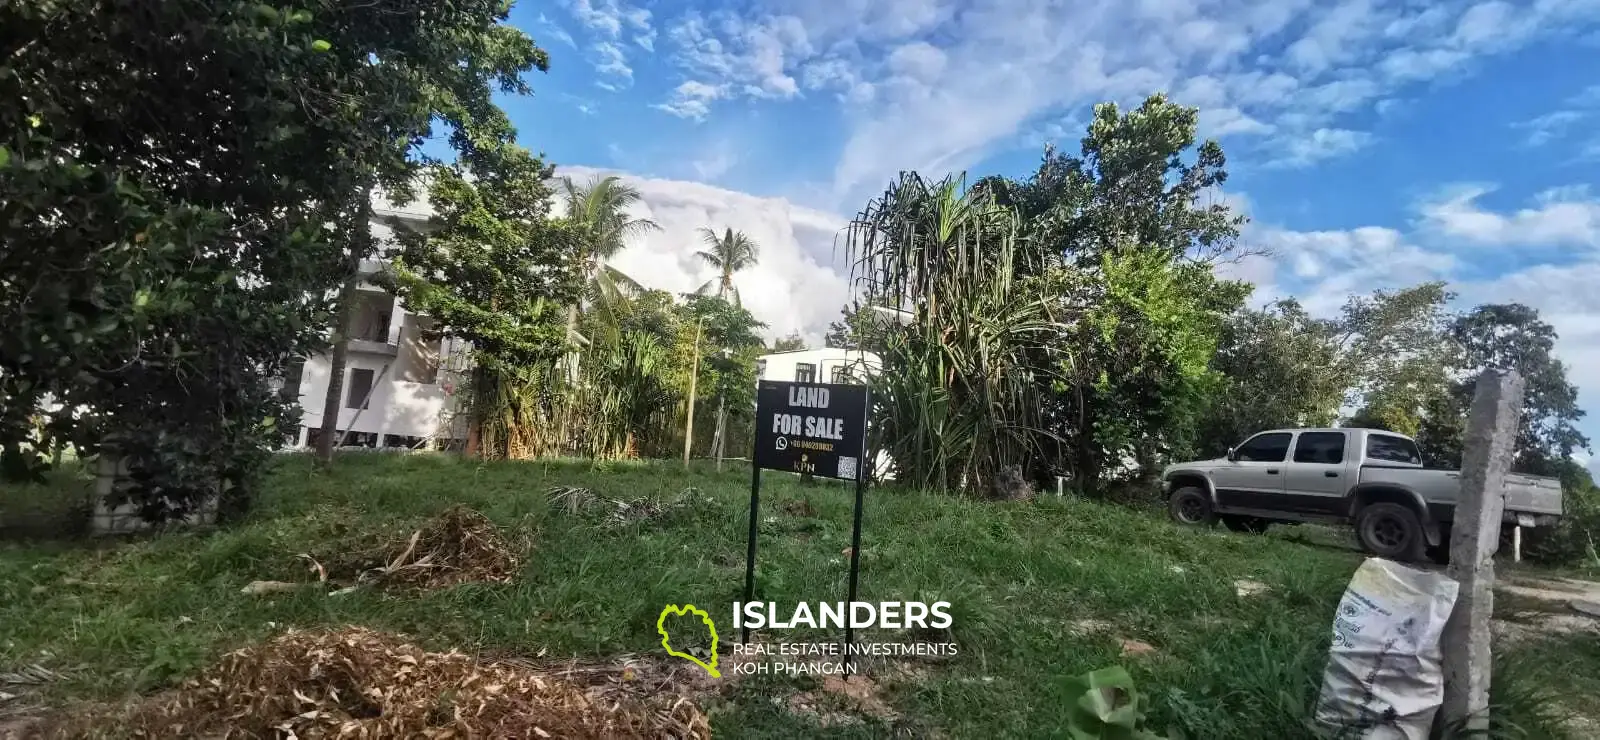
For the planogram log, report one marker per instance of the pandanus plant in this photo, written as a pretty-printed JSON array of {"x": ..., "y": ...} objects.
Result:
[{"x": 957, "y": 402}]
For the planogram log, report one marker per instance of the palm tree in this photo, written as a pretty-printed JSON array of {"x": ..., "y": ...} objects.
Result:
[
  {"x": 600, "y": 209},
  {"x": 729, "y": 253}
]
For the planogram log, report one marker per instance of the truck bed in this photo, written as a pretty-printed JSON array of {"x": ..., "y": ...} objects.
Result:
[{"x": 1525, "y": 494}]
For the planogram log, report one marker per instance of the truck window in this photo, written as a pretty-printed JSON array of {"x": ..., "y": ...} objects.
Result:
[
  {"x": 1272, "y": 447},
  {"x": 1320, "y": 447},
  {"x": 1387, "y": 448}
]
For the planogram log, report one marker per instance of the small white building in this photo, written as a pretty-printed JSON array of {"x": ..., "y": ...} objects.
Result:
[
  {"x": 398, "y": 385},
  {"x": 827, "y": 365}
]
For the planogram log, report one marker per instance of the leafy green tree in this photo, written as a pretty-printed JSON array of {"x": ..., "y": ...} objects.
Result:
[
  {"x": 727, "y": 254},
  {"x": 858, "y": 327},
  {"x": 492, "y": 270},
  {"x": 729, "y": 344},
  {"x": 791, "y": 343},
  {"x": 165, "y": 261},
  {"x": 1275, "y": 367},
  {"x": 1123, "y": 224},
  {"x": 1509, "y": 337},
  {"x": 418, "y": 61},
  {"x": 1395, "y": 356}
]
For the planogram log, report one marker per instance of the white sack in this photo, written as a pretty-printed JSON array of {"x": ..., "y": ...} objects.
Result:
[{"x": 1384, "y": 680}]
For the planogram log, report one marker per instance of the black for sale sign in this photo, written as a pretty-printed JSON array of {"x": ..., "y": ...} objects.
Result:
[{"x": 814, "y": 428}]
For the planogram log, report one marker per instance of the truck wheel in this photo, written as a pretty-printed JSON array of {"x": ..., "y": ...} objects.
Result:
[
  {"x": 1391, "y": 531},
  {"x": 1190, "y": 505},
  {"x": 1250, "y": 524}
]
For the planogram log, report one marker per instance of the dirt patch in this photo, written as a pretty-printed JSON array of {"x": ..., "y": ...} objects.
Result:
[
  {"x": 1135, "y": 648},
  {"x": 358, "y": 683},
  {"x": 1551, "y": 589},
  {"x": 1547, "y": 606},
  {"x": 841, "y": 701}
]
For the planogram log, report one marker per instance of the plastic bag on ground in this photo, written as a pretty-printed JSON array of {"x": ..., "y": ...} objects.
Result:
[{"x": 1384, "y": 680}]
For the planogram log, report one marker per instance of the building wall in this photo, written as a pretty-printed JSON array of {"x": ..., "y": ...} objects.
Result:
[
  {"x": 784, "y": 365},
  {"x": 396, "y": 407},
  {"x": 410, "y": 398}
]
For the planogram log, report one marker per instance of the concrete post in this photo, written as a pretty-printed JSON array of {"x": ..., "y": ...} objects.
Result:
[{"x": 1491, "y": 430}]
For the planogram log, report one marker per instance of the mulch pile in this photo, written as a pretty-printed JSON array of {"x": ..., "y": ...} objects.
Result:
[
  {"x": 457, "y": 546},
  {"x": 357, "y": 683}
]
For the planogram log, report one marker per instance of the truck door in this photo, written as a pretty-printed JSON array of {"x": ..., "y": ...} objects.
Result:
[
  {"x": 1254, "y": 478},
  {"x": 1315, "y": 482}
]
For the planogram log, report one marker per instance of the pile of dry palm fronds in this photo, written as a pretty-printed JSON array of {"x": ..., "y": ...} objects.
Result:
[
  {"x": 457, "y": 546},
  {"x": 360, "y": 684}
]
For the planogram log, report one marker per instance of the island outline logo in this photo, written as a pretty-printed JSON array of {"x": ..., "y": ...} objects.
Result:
[{"x": 687, "y": 609}]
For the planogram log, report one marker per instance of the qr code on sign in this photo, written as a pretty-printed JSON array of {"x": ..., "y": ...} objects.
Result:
[{"x": 847, "y": 468}]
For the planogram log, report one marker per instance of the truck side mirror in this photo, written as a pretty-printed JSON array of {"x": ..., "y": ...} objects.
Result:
[{"x": 1231, "y": 455}]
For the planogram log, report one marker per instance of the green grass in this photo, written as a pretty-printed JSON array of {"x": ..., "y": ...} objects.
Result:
[{"x": 142, "y": 614}]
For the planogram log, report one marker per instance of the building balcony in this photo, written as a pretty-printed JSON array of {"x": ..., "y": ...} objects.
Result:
[{"x": 368, "y": 346}]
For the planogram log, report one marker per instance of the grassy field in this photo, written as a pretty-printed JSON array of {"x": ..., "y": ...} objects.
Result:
[{"x": 1040, "y": 592}]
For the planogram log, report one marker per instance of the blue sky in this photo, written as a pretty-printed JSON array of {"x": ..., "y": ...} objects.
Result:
[{"x": 1374, "y": 145}]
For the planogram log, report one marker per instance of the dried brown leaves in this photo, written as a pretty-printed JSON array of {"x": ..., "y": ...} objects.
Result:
[
  {"x": 356, "y": 683},
  {"x": 457, "y": 546}
]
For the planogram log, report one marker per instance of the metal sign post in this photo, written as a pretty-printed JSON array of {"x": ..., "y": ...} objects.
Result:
[{"x": 817, "y": 429}]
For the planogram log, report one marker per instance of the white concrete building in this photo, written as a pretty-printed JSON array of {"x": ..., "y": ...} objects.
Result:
[
  {"x": 827, "y": 365},
  {"x": 398, "y": 385}
]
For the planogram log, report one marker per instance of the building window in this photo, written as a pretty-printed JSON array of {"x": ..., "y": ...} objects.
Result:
[
  {"x": 805, "y": 372},
  {"x": 840, "y": 374},
  {"x": 360, "y": 386}
]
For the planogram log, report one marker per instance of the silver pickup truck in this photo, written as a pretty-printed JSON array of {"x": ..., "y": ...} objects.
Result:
[{"x": 1366, "y": 477}]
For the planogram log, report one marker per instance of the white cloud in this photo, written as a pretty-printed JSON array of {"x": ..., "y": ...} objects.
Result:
[
  {"x": 1580, "y": 107},
  {"x": 1553, "y": 125},
  {"x": 692, "y": 100},
  {"x": 990, "y": 72},
  {"x": 1217, "y": 122},
  {"x": 556, "y": 31},
  {"x": 918, "y": 60},
  {"x": 1560, "y": 217},
  {"x": 609, "y": 60},
  {"x": 1324, "y": 143},
  {"x": 795, "y": 286},
  {"x": 715, "y": 161},
  {"x": 1336, "y": 264},
  {"x": 606, "y": 20}
]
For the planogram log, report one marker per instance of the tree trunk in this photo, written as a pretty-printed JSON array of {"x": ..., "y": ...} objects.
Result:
[
  {"x": 722, "y": 430},
  {"x": 341, "y": 354},
  {"x": 360, "y": 234},
  {"x": 694, "y": 377}
]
